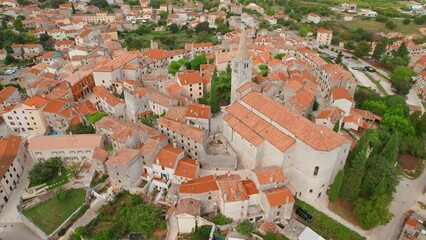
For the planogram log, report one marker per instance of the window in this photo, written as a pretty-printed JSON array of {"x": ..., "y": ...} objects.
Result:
[
  {"x": 316, "y": 170},
  {"x": 311, "y": 190},
  {"x": 278, "y": 213}
]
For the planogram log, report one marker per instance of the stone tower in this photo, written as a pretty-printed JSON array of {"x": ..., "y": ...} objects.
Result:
[{"x": 242, "y": 66}]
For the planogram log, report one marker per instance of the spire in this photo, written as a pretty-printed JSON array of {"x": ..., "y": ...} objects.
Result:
[{"x": 242, "y": 53}]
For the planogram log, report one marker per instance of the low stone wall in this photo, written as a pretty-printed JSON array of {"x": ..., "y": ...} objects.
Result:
[
  {"x": 219, "y": 162},
  {"x": 37, "y": 230},
  {"x": 33, "y": 227}
]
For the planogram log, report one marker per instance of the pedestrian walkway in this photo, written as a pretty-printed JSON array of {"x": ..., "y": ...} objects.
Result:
[{"x": 173, "y": 228}]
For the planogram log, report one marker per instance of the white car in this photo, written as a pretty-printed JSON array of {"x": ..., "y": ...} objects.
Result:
[{"x": 10, "y": 71}]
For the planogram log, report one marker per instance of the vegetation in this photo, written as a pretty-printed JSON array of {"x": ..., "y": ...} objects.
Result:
[
  {"x": 150, "y": 119},
  {"x": 213, "y": 100},
  {"x": 273, "y": 236},
  {"x": 335, "y": 187},
  {"x": 127, "y": 214},
  {"x": 370, "y": 175},
  {"x": 92, "y": 118},
  {"x": 201, "y": 233},
  {"x": 221, "y": 219},
  {"x": 401, "y": 78},
  {"x": 49, "y": 215},
  {"x": 80, "y": 129},
  {"x": 46, "y": 171},
  {"x": 326, "y": 226},
  {"x": 245, "y": 227}
]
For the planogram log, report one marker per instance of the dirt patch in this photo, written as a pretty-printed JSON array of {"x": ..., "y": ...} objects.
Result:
[
  {"x": 422, "y": 31},
  {"x": 408, "y": 162},
  {"x": 343, "y": 209}
]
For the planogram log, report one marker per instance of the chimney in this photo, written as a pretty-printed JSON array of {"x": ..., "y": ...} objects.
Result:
[
  {"x": 225, "y": 196},
  {"x": 157, "y": 161},
  {"x": 271, "y": 179},
  {"x": 286, "y": 199},
  {"x": 174, "y": 143}
]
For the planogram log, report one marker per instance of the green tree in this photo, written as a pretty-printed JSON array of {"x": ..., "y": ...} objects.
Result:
[
  {"x": 279, "y": 56},
  {"x": 335, "y": 187},
  {"x": 352, "y": 180},
  {"x": 81, "y": 129},
  {"x": 174, "y": 28},
  {"x": 45, "y": 171},
  {"x": 362, "y": 48},
  {"x": 374, "y": 212},
  {"x": 221, "y": 219},
  {"x": 245, "y": 227},
  {"x": 203, "y": 26},
  {"x": 349, "y": 45},
  {"x": 401, "y": 78},
  {"x": 379, "y": 50},
  {"x": 74, "y": 11},
  {"x": 99, "y": 3},
  {"x": 214, "y": 100},
  {"x": 398, "y": 123},
  {"x": 197, "y": 61},
  {"x": 61, "y": 194},
  {"x": 391, "y": 25},
  {"x": 17, "y": 23},
  {"x": 10, "y": 59},
  {"x": 406, "y": 21},
  {"x": 273, "y": 236},
  {"x": 336, "y": 126}
]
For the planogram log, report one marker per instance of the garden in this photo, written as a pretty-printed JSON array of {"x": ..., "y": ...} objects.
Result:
[
  {"x": 125, "y": 215},
  {"x": 49, "y": 215}
]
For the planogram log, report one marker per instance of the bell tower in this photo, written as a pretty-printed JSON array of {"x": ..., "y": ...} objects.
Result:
[{"x": 242, "y": 66}]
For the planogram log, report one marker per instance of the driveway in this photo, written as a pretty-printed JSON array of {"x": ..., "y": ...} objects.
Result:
[{"x": 406, "y": 194}]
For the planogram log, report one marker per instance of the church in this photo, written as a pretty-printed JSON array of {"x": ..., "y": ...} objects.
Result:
[{"x": 264, "y": 133}]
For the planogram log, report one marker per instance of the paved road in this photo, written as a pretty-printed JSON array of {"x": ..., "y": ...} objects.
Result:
[
  {"x": 17, "y": 231},
  {"x": 406, "y": 194},
  {"x": 6, "y": 79}
]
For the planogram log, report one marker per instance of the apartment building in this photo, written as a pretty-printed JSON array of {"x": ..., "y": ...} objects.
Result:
[
  {"x": 12, "y": 161},
  {"x": 28, "y": 117},
  {"x": 67, "y": 147}
]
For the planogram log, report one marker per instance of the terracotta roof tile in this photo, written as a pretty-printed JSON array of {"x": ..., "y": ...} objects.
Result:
[
  {"x": 187, "y": 168},
  {"x": 199, "y": 185},
  {"x": 279, "y": 196}
]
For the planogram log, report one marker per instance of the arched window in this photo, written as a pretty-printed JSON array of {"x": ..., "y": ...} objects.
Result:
[{"x": 316, "y": 170}]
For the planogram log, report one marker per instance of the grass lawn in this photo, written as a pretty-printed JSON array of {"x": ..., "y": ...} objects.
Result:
[
  {"x": 49, "y": 215},
  {"x": 326, "y": 226},
  {"x": 56, "y": 181},
  {"x": 374, "y": 26}
]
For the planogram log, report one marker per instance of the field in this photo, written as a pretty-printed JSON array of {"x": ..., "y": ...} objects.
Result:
[
  {"x": 165, "y": 39},
  {"x": 374, "y": 26},
  {"x": 49, "y": 215}
]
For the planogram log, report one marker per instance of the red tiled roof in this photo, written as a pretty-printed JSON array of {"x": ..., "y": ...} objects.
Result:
[
  {"x": 279, "y": 196},
  {"x": 199, "y": 185}
]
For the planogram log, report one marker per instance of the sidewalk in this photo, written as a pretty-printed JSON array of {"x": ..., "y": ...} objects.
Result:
[{"x": 173, "y": 229}]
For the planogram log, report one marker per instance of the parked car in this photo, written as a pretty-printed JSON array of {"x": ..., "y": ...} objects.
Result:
[
  {"x": 369, "y": 69},
  {"x": 303, "y": 214},
  {"x": 9, "y": 72}
]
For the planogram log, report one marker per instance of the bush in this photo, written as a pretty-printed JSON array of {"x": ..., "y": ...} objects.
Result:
[
  {"x": 335, "y": 187},
  {"x": 391, "y": 25},
  {"x": 221, "y": 219},
  {"x": 406, "y": 21},
  {"x": 245, "y": 227}
]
